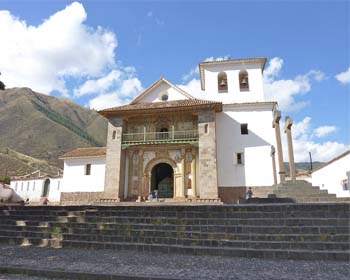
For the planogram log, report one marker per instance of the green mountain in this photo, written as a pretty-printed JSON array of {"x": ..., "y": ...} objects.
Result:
[
  {"x": 45, "y": 127},
  {"x": 13, "y": 163}
]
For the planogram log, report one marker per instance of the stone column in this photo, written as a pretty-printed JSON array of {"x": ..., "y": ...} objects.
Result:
[
  {"x": 193, "y": 174},
  {"x": 183, "y": 173},
  {"x": 130, "y": 171},
  {"x": 113, "y": 158},
  {"x": 276, "y": 126},
  {"x": 288, "y": 131},
  {"x": 126, "y": 174},
  {"x": 207, "y": 155},
  {"x": 140, "y": 177},
  {"x": 273, "y": 152}
]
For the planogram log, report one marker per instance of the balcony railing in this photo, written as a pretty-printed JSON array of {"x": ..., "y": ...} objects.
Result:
[{"x": 155, "y": 137}]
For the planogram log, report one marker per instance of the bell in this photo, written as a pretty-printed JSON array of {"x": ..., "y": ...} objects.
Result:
[
  {"x": 244, "y": 81},
  {"x": 223, "y": 83}
]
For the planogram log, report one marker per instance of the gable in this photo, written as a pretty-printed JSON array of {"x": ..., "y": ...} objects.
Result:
[{"x": 161, "y": 89}]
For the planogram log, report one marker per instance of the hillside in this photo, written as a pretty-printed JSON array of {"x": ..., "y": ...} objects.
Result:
[
  {"x": 45, "y": 127},
  {"x": 14, "y": 163}
]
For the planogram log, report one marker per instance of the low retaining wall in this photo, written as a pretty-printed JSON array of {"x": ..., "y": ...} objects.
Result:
[
  {"x": 233, "y": 194},
  {"x": 81, "y": 198}
]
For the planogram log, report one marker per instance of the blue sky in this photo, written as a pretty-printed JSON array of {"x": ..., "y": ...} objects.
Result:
[{"x": 308, "y": 41}]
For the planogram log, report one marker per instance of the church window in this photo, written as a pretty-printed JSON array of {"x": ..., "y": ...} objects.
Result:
[
  {"x": 165, "y": 97},
  {"x": 33, "y": 186},
  {"x": 16, "y": 186},
  {"x": 222, "y": 82},
  {"x": 28, "y": 183},
  {"x": 206, "y": 128},
  {"x": 88, "y": 169},
  {"x": 243, "y": 80},
  {"x": 244, "y": 128},
  {"x": 22, "y": 186},
  {"x": 114, "y": 134},
  {"x": 58, "y": 185},
  {"x": 239, "y": 158}
]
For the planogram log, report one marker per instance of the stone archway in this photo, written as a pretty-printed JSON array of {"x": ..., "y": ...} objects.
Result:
[
  {"x": 147, "y": 180},
  {"x": 162, "y": 180}
]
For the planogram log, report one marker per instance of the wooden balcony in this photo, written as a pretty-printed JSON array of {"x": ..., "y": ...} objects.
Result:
[{"x": 171, "y": 137}]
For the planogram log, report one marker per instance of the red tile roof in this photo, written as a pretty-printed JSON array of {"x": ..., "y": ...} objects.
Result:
[
  {"x": 85, "y": 152},
  {"x": 188, "y": 104}
]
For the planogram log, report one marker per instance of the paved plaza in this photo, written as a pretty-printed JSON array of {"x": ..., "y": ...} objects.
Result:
[{"x": 164, "y": 266}]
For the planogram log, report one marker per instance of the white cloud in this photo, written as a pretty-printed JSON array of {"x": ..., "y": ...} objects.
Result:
[
  {"x": 105, "y": 100},
  {"x": 323, "y": 131},
  {"x": 286, "y": 91},
  {"x": 344, "y": 77},
  {"x": 304, "y": 142},
  {"x": 124, "y": 90},
  {"x": 98, "y": 85},
  {"x": 43, "y": 56}
]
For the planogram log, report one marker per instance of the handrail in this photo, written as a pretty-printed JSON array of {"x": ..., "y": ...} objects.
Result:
[{"x": 160, "y": 136}]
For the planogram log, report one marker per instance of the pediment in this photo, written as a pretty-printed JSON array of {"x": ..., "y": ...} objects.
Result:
[{"x": 161, "y": 90}]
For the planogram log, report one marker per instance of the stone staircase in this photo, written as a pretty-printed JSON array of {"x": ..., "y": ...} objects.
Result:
[
  {"x": 303, "y": 191},
  {"x": 295, "y": 231}
]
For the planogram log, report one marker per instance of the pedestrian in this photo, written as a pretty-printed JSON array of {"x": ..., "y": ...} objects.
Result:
[
  {"x": 150, "y": 197},
  {"x": 45, "y": 201},
  {"x": 156, "y": 194},
  {"x": 249, "y": 193}
]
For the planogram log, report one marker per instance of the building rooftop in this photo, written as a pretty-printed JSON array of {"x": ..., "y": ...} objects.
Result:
[
  {"x": 332, "y": 160},
  {"x": 85, "y": 152},
  {"x": 157, "y": 107}
]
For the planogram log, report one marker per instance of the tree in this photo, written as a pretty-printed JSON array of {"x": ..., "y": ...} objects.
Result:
[{"x": 2, "y": 85}]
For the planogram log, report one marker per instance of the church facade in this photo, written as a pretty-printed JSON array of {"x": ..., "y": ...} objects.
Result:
[{"x": 185, "y": 148}]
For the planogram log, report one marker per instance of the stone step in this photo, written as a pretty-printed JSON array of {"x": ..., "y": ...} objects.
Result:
[
  {"x": 214, "y": 215},
  {"x": 189, "y": 241},
  {"x": 343, "y": 255},
  {"x": 166, "y": 208},
  {"x": 47, "y": 232},
  {"x": 209, "y": 228},
  {"x": 44, "y": 220}
]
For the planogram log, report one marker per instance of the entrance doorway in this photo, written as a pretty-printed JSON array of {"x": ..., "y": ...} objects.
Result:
[
  {"x": 46, "y": 188},
  {"x": 162, "y": 179}
]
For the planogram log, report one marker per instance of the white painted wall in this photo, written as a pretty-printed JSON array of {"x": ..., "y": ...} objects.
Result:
[
  {"x": 75, "y": 180},
  {"x": 33, "y": 189},
  {"x": 234, "y": 95},
  {"x": 330, "y": 177},
  {"x": 156, "y": 94},
  {"x": 256, "y": 146}
]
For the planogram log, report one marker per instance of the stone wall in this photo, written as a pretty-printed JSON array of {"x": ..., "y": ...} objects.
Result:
[
  {"x": 232, "y": 194},
  {"x": 113, "y": 158},
  {"x": 81, "y": 198},
  {"x": 207, "y": 155}
]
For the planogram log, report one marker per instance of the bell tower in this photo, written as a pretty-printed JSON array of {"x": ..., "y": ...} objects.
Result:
[{"x": 233, "y": 80}]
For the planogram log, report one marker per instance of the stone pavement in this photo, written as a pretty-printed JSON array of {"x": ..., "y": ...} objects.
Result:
[{"x": 134, "y": 265}]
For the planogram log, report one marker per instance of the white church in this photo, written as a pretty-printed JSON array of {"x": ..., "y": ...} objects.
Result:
[{"x": 184, "y": 148}]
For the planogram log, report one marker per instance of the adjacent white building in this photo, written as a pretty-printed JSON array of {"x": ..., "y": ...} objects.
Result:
[
  {"x": 334, "y": 175},
  {"x": 37, "y": 188}
]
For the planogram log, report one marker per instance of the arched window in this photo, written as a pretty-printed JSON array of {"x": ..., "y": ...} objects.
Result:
[
  {"x": 243, "y": 80},
  {"x": 222, "y": 82}
]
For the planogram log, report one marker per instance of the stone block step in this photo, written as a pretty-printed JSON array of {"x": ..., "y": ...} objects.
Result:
[
  {"x": 48, "y": 232},
  {"x": 196, "y": 215},
  {"x": 196, "y": 250},
  {"x": 209, "y": 228},
  {"x": 288, "y": 221},
  {"x": 188, "y": 241}
]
